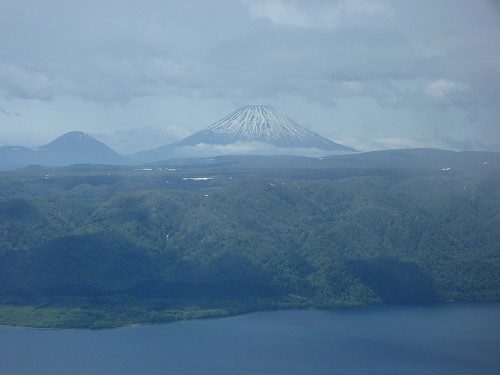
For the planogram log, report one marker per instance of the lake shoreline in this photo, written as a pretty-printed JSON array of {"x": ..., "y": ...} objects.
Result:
[
  {"x": 456, "y": 337},
  {"x": 205, "y": 314}
]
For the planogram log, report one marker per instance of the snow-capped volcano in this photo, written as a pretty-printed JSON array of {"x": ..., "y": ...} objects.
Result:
[{"x": 259, "y": 123}]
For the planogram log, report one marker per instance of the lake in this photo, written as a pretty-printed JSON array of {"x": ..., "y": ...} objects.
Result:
[{"x": 448, "y": 338}]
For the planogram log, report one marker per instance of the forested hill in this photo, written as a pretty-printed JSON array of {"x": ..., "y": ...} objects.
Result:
[{"x": 91, "y": 246}]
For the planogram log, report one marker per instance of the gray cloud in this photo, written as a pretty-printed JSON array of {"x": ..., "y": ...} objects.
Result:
[
  {"x": 431, "y": 61},
  {"x": 16, "y": 81},
  {"x": 8, "y": 113},
  {"x": 322, "y": 15}
]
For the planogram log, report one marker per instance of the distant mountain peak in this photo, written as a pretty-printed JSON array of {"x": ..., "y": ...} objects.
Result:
[
  {"x": 71, "y": 148},
  {"x": 75, "y": 134},
  {"x": 77, "y": 147},
  {"x": 72, "y": 139},
  {"x": 261, "y": 123}
]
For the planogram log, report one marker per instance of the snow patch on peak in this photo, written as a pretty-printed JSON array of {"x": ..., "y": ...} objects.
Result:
[{"x": 260, "y": 123}]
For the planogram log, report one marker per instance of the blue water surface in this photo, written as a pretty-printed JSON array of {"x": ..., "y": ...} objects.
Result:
[{"x": 450, "y": 338}]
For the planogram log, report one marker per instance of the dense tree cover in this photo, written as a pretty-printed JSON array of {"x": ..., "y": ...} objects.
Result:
[{"x": 104, "y": 246}]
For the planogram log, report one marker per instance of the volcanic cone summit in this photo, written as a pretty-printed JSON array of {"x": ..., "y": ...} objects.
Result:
[{"x": 259, "y": 123}]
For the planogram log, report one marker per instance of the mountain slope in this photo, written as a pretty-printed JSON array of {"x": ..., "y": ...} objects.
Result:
[
  {"x": 71, "y": 148},
  {"x": 111, "y": 246},
  {"x": 77, "y": 148},
  {"x": 256, "y": 123}
]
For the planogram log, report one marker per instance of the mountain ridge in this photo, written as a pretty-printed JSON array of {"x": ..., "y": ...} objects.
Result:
[
  {"x": 260, "y": 123},
  {"x": 107, "y": 246},
  {"x": 252, "y": 129},
  {"x": 74, "y": 147}
]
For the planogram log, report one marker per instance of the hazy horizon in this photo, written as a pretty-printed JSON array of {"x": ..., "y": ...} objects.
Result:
[{"x": 369, "y": 74}]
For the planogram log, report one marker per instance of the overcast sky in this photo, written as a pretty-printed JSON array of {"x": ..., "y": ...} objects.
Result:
[{"x": 139, "y": 74}]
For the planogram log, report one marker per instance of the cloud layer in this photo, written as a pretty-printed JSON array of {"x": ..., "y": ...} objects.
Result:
[{"x": 433, "y": 65}]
